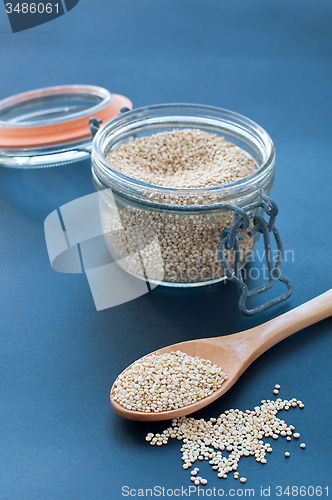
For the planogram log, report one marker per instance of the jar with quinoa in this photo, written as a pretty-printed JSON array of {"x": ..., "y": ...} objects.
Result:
[{"x": 165, "y": 174}]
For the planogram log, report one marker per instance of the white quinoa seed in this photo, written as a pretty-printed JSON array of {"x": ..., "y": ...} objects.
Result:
[
  {"x": 183, "y": 248},
  {"x": 287, "y": 454},
  {"x": 238, "y": 433},
  {"x": 277, "y": 386},
  {"x": 302, "y": 445},
  {"x": 182, "y": 158},
  {"x": 296, "y": 435},
  {"x": 243, "y": 479},
  {"x": 161, "y": 382}
]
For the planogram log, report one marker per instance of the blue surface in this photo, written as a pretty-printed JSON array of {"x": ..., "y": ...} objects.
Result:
[{"x": 269, "y": 60}]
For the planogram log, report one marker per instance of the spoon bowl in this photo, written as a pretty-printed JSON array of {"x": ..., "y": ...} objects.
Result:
[{"x": 234, "y": 353}]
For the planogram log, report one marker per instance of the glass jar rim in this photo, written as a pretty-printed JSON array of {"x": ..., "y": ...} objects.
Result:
[
  {"x": 149, "y": 117},
  {"x": 50, "y": 126},
  {"x": 18, "y": 100}
]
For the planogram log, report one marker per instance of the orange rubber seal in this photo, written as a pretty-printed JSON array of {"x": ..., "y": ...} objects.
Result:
[{"x": 60, "y": 133}]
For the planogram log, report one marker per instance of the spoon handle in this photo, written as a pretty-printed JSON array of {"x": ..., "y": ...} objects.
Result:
[{"x": 262, "y": 337}]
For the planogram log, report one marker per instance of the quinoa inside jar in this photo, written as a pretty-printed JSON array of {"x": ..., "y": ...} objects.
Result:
[{"x": 165, "y": 175}]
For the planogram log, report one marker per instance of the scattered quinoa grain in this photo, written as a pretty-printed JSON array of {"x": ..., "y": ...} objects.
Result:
[
  {"x": 302, "y": 445},
  {"x": 275, "y": 391},
  {"x": 238, "y": 433},
  {"x": 296, "y": 435},
  {"x": 243, "y": 479},
  {"x": 203, "y": 481},
  {"x": 277, "y": 386}
]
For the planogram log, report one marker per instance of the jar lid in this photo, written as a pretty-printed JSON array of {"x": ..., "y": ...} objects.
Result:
[{"x": 50, "y": 126}]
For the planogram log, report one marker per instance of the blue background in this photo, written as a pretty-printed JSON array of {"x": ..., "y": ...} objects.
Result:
[{"x": 267, "y": 59}]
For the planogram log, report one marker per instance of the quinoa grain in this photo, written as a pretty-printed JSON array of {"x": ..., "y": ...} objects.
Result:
[
  {"x": 174, "y": 248},
  {"x": 238, "y": 433},
  {"x": 161, "y": 382},
  {"x": 182, "y": 158}
]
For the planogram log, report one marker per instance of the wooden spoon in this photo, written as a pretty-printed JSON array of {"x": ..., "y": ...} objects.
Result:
[{"x": 234, "y": 353}]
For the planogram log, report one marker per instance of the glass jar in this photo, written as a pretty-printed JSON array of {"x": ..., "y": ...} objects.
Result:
[{"x": 170, "y": 236}]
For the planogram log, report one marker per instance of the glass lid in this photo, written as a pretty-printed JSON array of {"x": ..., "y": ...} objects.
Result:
[{"x": 49, "y": 127}]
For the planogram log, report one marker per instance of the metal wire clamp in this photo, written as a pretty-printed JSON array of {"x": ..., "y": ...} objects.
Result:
[{"x": 230, "y": 241}]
